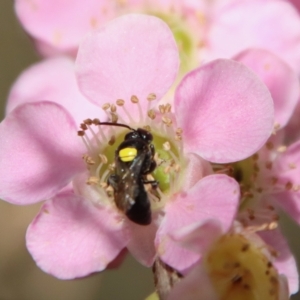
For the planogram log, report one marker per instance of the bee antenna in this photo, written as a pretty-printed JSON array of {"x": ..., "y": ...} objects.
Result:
[{"x": 116, "y": 124}]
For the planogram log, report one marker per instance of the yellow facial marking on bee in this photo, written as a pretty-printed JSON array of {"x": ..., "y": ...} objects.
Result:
[{"x": 127, "y": 154}]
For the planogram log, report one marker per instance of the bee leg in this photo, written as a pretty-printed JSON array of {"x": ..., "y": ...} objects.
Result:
[
  {"x": 151, "y": 168},
  {"x": 154, "y": 183},
  {"x": 113, "y": 181}
]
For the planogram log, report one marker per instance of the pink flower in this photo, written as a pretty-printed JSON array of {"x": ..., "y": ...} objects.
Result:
[
  {"x": 236, "y": 265},
  {"x": 220, "y": 28},
  {"x": 222, "y": 113},
  {"x": 270, "y": 179}
]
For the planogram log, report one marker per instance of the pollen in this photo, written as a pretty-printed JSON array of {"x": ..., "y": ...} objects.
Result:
[{"x": 128, "y": 154}]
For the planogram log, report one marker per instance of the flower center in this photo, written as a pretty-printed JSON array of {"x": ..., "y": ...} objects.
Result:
[
  {"x": 239, "y": 270},
  {"x": 111, "y": 152},
  {"x": 187, "y": 43}
]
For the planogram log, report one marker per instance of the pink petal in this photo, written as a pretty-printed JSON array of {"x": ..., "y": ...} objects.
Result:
[
  {"x": 271, "y": 25},
  {"x": 296, "y": 3},
  {"x": 132, "y": 55},
  {"x": 53, "y": 80},
  {"x": 196, "y": 168},
  {"x": 141, "y": 243},
  {"x": 225, "y": 111},
  {"x": 71, "y": 238},
  {"x": 62, "y": 24},
  {"x": 292, "y": 129},
  {"x": 285, "y": 262},
  {"x": 40, "y": 152},
  {"x": 196, "y": 285},
  {"x": 213, "y": 197},
  {"x": 287, "y": 171},
  {"x": 280, "y": 79},
  {"x": 199, "y": 236}
]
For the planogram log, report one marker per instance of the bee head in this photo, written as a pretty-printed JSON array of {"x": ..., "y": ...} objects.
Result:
[{"x": 140, "y": 133}]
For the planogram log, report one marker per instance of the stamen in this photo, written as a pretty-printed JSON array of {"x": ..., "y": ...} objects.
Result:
[
  {"x": 112, "y": 140},
  {"x": 103, "y": 158},
  {"x": 93, "y": 180},
  {"x": 288, "y": 186},
  {"x": 161, "y": 109},
  {"x": 167, "y": 121},
  {"x": 83, "y": 126},
  {"x": 88, "y": 159},
  {"x": 113, "y": 108},
  {"x": 106, "y": 106},
  {"x": 151, "y": 97},
  {"x": 151, "y": 114},
  {"x": 277, "y": 126},
  {"x": 95, "y": 136},
  {"x": 85, "y": 141},
  {"x": 168, "y": 108},
  {"x": 281, "y": 149},
  {"x": 269, "y": 165},
  {"x": 269, "y": 145}
]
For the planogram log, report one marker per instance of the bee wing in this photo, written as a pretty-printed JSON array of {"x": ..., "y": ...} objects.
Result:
[{"x": 127, "y": 189}]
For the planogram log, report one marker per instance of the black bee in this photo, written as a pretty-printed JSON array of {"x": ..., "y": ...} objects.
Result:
[{"x": 134, "y": 159}]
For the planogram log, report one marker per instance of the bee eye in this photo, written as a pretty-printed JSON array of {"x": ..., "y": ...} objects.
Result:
[
  {"x": 132, "y": 135},
  {"x": 127, "y": 154},
  {"x": 145, "y": 135}
]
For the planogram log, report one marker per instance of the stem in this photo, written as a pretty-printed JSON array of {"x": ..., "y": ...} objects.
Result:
[{"x": 165, "y": 278}]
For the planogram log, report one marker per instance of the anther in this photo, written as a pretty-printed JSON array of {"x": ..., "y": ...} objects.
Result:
[
  {"x": 255, "y": 156},
  {"x": 112, "y": 140},
  {"x": 88, "y": 121},
  {"x": 80, "y": 133},
  {"x": 88, "y": 160},
  {"x": 151, "y": 114},
  {"x": 167, "y": 121},
  {"x": 106, "y": 106},
  {"x": 288, "y": 186},
  {"x": 167, "y": 169},
  {"x": 292, "y": 166},
  {"x": 96, "y": 121},
  {"x": 269, "y": 165},
  {"x": 161, "y": 109},
  {"x": 296, "y": 188},
  {"x": 83, "y": 126},
  {"x": 274, "y": 180},
  {"x": 147, "y": 127},
  {"x": 259, "y": 190},
  {"x": 166, "y": 146},
  {"x": 120, "y": 102},
  {"x": 92, "y": 180},
  {"x": 277, "y": 126},
  {"x": 270, "y": 145},
  {"x": 103, "y": 184},
  {"x": 168, "y": 108},
  {"x": 103, "y": 158},
  {"x": 177, "y": 168},
  {"x": 134, "y": 99},
  {"x": 179, "y": 131},
  {"x": 151, "y": 97},
  {"x": 281, "y": 149}
]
